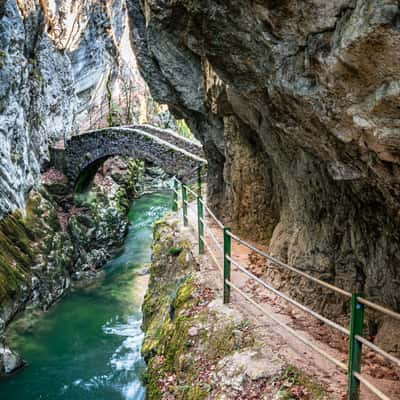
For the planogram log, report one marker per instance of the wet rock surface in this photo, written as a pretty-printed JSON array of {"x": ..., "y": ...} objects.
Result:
[
  {"x": 10, "y": 361},
  {"x": 295, "y": 104}
]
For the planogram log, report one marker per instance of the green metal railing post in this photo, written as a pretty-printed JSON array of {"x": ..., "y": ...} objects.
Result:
[
  {"x": 175, "y": 196},
  {"x": 227, "y": 265},
  {"x": 199, "y": 181},
  {"x": 355, "y": 347},
  {"x": 200, "y": 216},
  {"x": 184, "y": 205}
]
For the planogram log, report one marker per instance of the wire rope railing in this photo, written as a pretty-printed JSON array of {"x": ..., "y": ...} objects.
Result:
[
  {"x": 213, "y": 237},
  {"x": 290, "y": 268},
  {"x": 358, "y": 302},
  {"x": 289, "y": 299},
  {"x": 287, "y": 328}
]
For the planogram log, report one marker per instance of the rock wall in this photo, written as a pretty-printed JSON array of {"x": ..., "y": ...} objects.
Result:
[
  {"x": 37, "y": 99},
  {"x": 299, "y": 99},
  {"x": 174, "y": 75}
]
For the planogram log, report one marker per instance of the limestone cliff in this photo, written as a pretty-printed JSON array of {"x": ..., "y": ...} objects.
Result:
[
  {"x": 65, "y": 66},
  {"x": 37, "y": 98},
  {"x": 41, "y": 79},
  {"x": 296, "y": 103},
  {"x": 61, "y": 62}
]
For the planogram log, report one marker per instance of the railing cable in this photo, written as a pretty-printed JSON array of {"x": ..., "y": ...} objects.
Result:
[
  {"x": 212, "y": 254},
  {"x": 338, "y": 363},
  {"x": 216, "y": 220},
  {"x": 377, "y": 307},
  {"x": 370, "y": 386},
  {"x": 290, "y": 300},
  {"x": 357, "y": 302},
  {"x": 213, "y": 237},
  {"x": 378, "y": 350},
  {"x": 293, "y": 269}
]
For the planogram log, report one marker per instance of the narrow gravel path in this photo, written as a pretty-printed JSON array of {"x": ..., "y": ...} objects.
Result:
[{"x": 291, "y": 349}]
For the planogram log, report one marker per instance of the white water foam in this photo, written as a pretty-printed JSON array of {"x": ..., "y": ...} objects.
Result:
[
  {"x": 133, "y": 391},
  {"x": 127, "y": 354}
]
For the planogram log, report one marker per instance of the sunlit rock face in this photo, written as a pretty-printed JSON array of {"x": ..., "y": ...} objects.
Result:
[
  {"x": 104, "y": 65},
  {"x": 36, "y": 90},
  {"x": 297, "y": 104},
  {"x": 57, "y": 60}
]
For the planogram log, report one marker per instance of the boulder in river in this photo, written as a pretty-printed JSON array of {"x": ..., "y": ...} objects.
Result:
[{"x": 10, "y": 361}]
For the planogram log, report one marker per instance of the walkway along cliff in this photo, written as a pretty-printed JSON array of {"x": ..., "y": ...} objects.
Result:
[
  {"x": 184, "y": 319},
  {"x": 296, "y": 105}
]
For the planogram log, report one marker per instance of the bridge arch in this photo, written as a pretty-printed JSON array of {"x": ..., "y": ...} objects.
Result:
[{"x": 176, "y": 155}]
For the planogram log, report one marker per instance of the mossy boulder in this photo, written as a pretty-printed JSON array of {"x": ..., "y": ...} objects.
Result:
[{"x": 34, "y": 256}]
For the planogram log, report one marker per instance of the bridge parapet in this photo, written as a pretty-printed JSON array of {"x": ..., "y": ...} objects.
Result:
[{"x": 193, "y": 146}]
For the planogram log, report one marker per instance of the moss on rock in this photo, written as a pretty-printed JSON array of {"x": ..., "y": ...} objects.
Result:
[{"x": 34, "y": 240}]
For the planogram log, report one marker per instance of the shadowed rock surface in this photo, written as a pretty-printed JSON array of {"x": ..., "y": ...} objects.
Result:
[{"x": 296, "y": 103}]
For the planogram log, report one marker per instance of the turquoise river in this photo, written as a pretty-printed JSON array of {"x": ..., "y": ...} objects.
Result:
[{"x": 88, "y": 345}]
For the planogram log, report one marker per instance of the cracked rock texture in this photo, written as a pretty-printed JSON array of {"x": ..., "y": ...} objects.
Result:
[
  {"x": 41, "y": 75},
  {"x": 36, "y": 99},
  {"x": 297, "y": 104},
  {"x": 57, "y": 60}
]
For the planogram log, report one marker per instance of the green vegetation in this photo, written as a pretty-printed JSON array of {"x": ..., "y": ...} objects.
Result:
[
  {"x": 183, "y": 129},
  {"x": 15, "y": 157},
  {"x": 35, "y": 73},
  {"x": 22, "y": 240},
  {"x": 172, "y": 310},
  {"x": 3, "y": 55},
  {"x": 136, "y": 171},
  {"x": 294, "y": 378},
  {"x": 174, "y": 251}
]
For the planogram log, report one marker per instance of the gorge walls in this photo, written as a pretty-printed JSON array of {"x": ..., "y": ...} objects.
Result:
[
  {"x": 296, "y": 103},
  {"x": 58, "y": 59},
  {"x": 37, "y": 99}
]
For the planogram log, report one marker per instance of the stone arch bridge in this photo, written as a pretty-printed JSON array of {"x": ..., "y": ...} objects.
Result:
[{"x": 172, "y": 152}]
